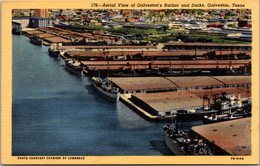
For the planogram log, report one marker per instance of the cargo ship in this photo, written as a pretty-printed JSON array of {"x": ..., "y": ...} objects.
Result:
[
  {"x": 106, "y": 89},
  {"x": 193, "y": 114},
  {"x": 180, "y": 143},
  {"x": 221, "y": 118},
  {"x": 229, "y": 107},
  {"x": 74, "y": 65}
]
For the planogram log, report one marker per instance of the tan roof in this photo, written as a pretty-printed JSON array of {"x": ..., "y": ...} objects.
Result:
[
  {"x": 172, "y": 62},
  {"x": 234, "y": 79},
  {"x": 142, "y": 83},
  {"x": 45, "y": 35},
  {"x": 166, "y": 101},
  {"x": 146, "y": 83},
  {"x": 194, "y": 81},
  {"x": 57, "y": 40},
  {"x": 106, "y": 46},
  {"x": 64, "y": 32},
  {"x": 130, "y": 53},
  {"x": 33, "y": 32},
  {"x": 214, "y": 80},
  {"x": 232, "y": 136}
]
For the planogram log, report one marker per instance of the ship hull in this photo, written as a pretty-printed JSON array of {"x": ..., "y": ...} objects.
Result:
[
  {"x": 53, "y": 53},
  {"x": 114, "y": 97},
  {"x": 35, "y": 41},
  {"x": 72, "y": 68},
  {"x": 208, "y": 121},
  {"x": 174, "y": 146},
  {"x": 199, "y": 115}
]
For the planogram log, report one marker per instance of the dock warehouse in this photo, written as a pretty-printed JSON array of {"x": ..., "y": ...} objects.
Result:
[
  {"x": 159, "y": 84},
  {"x": 166, "y": 103},
  {"x": 229, "y": 138},
  {"x": 100, "y": 52}
]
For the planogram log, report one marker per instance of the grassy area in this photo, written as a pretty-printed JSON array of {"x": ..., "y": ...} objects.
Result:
[
  {"x": 124, "y": 30},
  {"x": 161, "y": 39},
  {"x": 131, "y": 30},
  {"x": 218, "y": 39},
  {"x": 147, "y": 32}
]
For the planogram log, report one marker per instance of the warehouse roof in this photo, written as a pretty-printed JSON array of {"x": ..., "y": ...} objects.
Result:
[
  {"x": 234, "y": 79},
  {"x": 146, "y": 83},
  {"x": 172, "y": 62},
  {"x": 141, "y": 83},
  {"x": 234, "y": 136},
  {"x": 166, "y": 101},
  {"x": 107, "y": 46},
  {"x": 33, "y": 32},
  {"x": 131, "y": 53},
  {"x": 44, "y": 35},
  {"x": 57, "y": 40},
  {"x": 194, "y": 81}
]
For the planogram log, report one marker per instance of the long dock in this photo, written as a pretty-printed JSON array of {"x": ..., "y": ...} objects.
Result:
[
  {"x": 125, "y": 98},
  {"x": 160, "y": 105},
  {"x": 46, "y": 37},
  {"x": 144, "y": 54}
]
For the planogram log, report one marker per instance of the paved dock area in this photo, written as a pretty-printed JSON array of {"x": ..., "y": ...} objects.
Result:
[
  {"x": 125, "y": 98},
  {"x": 231, "y": 137}
]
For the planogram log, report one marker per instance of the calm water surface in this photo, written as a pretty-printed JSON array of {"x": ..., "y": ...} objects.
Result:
[{"x": 58, "y": 113}]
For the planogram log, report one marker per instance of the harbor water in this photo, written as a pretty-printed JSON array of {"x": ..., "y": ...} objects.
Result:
[{"x": 58, "y": 113}]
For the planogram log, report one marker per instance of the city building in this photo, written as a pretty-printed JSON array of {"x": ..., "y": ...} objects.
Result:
[{"x": 40, "y": 12}]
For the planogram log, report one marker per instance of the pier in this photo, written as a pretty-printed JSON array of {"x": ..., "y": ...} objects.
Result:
[{"x": 168, "y": 103}]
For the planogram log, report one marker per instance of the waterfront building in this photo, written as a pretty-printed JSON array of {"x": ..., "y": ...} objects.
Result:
[
  {"x": 227, "y": 138},
  {"x": 167, "y": 103}
]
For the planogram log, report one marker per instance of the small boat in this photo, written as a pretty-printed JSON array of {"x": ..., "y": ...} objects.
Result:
[
  {"x": 230, "y": 107},
  {"x": 106, "y": 89},
  {"x": 213, "y": 118},
  {"x": 220, "y": 118},
  {"x": 180, "y": 143},
  {"x": 35, "y": 40},
  {"x": 192, "y": 114},
  {"x": 74, "y": 65}
]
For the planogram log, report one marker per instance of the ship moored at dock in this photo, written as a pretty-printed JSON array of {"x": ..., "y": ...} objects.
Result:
[
  {"x": 105, "y": 88},
  {"x": 35, "y": 40},
  {"x": 74, "y": 65},
  {"x": 180, "y": 143}
]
